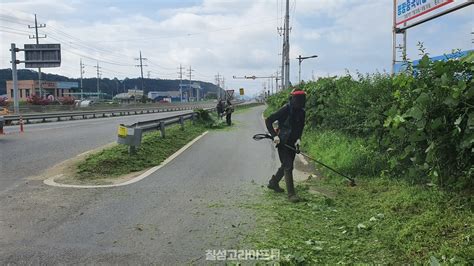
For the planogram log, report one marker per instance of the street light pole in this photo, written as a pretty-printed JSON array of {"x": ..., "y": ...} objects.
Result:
[{"x": 300, "y": 59}]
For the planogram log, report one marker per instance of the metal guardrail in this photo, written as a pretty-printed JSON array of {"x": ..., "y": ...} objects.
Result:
[
  {"x": 99, "y": 113},
  {"x": 131, "y": 135},
  {"x": 44, "y": 109}
]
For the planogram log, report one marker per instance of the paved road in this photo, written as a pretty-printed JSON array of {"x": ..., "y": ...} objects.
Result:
[
  {"x": 44, "y": 145},
  {"x": 171, "y": 217}
]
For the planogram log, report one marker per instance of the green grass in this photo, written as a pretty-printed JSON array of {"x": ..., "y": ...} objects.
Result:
[
  {"x": 353, "y": 156},
  {"x": 116, "y": 161},
  {"x": 381, "y": 220}
]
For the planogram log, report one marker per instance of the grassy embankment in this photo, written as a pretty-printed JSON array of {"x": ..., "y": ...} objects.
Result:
[{"x": 381, "y": 220}]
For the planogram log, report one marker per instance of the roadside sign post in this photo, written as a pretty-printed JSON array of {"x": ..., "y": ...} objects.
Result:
[
  {"x": 42, "y": 55},
  {"x": 36, "y": 56},
  {"x": 409, "y": 14},
  {"x": 229, "y": 94}
]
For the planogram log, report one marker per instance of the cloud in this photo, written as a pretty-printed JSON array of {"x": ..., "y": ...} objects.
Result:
[{"x": 232, "y": 37}]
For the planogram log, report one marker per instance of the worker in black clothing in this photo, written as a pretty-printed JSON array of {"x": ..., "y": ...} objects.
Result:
[
  {"x": 220, "y": 109},
  {"x": 291, "y": 118},
  {"x": 229, "y": 109}
]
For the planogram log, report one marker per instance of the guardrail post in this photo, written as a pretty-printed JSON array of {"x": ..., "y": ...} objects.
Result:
[
  {"x": 181, "y": 122},
  {"x": 132, "y": 150},
  {"x": 193, "y": 118},
  {"x": 162, "y": 129}
]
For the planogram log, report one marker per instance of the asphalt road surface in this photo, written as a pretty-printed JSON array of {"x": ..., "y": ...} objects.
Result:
[
  {"x": 169, "y": 218},
  {"x": 44, "y": 145}
]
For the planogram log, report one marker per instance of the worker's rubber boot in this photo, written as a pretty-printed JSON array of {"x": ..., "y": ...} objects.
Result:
[
  {"x": 273, "y": 184},
  {"x": 291, "y": 187}
]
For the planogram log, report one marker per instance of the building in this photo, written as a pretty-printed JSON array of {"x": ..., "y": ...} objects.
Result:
[
  {"x": 27, "y": 88},
  {"x": 191, "y": 92},
  {"x": 172, "y": 96},
  {"x": 402, "y": 66}
]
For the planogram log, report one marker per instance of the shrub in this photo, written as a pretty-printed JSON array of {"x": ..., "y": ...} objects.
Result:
[
  {"x": 67, "y": 100},
  {"x": 423, "y": 119},
  {"x": 36, "y": 100}
]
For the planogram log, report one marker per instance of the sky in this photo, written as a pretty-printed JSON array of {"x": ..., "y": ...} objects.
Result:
[{"x": 225, "y": 37}]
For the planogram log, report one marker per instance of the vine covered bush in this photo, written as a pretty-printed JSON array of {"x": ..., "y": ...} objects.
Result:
[{"x": 421, "y": 120}]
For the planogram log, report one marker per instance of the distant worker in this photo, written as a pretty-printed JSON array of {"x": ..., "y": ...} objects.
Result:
[
  {"x": 291, "y": 118},
  {"x": 220, "y": 108},
  {"x": 229, "y": 109}
]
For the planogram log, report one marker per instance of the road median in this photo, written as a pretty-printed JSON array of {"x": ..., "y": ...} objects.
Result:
[{"x": 112, "y": 165}]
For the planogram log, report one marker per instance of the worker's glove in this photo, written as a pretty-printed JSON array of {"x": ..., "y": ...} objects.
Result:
[
  {"x": 276, "y": 140},
  {"x": 297, "y": 145}
]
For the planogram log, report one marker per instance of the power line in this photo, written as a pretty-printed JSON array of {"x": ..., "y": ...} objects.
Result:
[
  {"x": 80, "y": 47},
  {"x": 193, "y": 34},
  {"x": 13, "y": 32}
]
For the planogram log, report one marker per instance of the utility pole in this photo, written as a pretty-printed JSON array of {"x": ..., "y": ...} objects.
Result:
[
  {"x": 148, "y": 74},
  {"x": 16, "y": 100},
  {"x": 82, "y": 72},
  {"x": 37, "y": 37},
  {"x": 181, "y": 82},
  {"x": 190, "y": 74},
  {"x": 141, "y": 59},
  {"x": 224, "y": 88},
  {"x": 218, "y": 83},
  {"x": 287, "y": 45},
  {"x": 281, "y": 32},
  {"x": 277, "y": 77},
  {"x": 98, "y": 80}
]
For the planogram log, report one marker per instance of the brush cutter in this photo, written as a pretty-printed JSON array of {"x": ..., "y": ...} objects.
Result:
[{"x": 268, "y": 136}]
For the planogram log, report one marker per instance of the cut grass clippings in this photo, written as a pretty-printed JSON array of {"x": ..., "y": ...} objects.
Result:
[
  {"x": 115, "y": 161},
  {"x": 381, "y": 220}
]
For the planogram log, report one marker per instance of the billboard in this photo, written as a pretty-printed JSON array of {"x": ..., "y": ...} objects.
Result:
[
  {"x": 66, "y": 85},
  {"x": 42, "y": 55},
  {"x": 408, "y": 10}
]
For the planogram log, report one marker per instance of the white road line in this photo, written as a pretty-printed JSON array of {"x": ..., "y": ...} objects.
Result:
[{"x": 50, "y": 181}]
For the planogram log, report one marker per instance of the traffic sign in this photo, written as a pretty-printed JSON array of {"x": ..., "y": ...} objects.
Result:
[
  {"x": 42, "y": 55},
  {"x": 230, "y": 94},
  {"x": 241, "y": 91}
]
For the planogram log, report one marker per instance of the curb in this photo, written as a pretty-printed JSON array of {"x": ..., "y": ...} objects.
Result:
[{"x": 50, "y": 181}]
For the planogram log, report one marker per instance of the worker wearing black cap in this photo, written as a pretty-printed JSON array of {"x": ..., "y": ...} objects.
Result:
[{"x": 291, "y": 118}]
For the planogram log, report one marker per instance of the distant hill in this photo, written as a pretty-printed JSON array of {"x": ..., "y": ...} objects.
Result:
[{"x": 107, "y": 85}]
